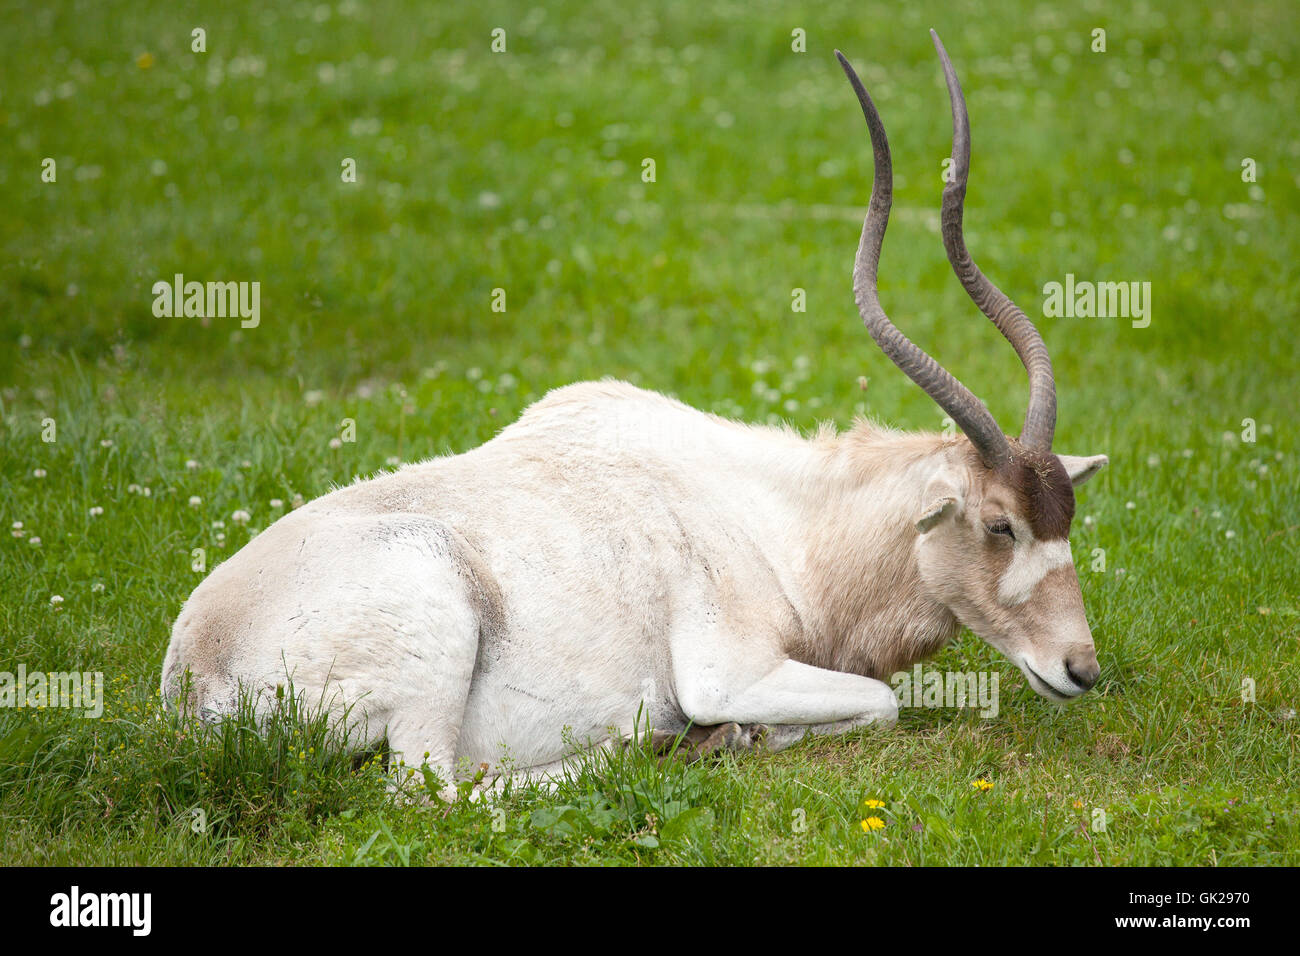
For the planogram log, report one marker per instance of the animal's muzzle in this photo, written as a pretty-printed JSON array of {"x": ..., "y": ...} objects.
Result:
[{"x": 1082, "y": 668}]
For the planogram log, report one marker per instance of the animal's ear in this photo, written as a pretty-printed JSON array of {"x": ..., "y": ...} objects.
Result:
[
  {"x": 935, "y": 513},
  {"x": 1082, "y": 467},
  {"x": 941, "y": 500}
]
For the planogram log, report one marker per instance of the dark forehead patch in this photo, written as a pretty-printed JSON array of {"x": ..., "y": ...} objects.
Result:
[{"x": 1043, "y": 491}]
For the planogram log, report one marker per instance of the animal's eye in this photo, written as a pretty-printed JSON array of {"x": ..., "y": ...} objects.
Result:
[{"x": 1001, "y": 526}]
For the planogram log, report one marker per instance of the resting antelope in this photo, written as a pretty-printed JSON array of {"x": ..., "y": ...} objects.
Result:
[{"x": 615, "y": 550}]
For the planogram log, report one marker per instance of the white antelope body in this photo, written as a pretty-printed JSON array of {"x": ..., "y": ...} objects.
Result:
[{"x": 616, "y": 551}]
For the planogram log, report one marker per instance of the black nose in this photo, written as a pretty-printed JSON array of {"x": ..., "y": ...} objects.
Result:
[{"x": 1085, "y": 675}]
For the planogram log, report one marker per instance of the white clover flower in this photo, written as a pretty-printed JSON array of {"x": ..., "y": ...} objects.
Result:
[
  {"x": 314, "y": 397},
  {"x": 34, "y": 541},
  {"x": 240, "y": 516},
  {"x": 56, "y": 599},
  {"x": 277, "y": 503},
  {"x": 145, "y": 492},
  {"x": 97, "y": 587},
  {"x": 106, "y": 443},
  {"x": 1130, "y": 505},
  {"x": 195, "y": 501},
  {"x": 133, "y": 489},
  {"x": 1229, "y": 533},
  {"x": 192, "y": 465},
  {"x": 336, "y": 443},
  {"x": 393, "y": 460},
  {"x": 96, "y": 511},
  {"x": 38, "y": 472},
  {"x": 17, "y": 526},
  {"x": 218, "y": 524}
]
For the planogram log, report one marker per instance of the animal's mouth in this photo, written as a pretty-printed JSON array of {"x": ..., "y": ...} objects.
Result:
[{"x": 1042, "y": 687}]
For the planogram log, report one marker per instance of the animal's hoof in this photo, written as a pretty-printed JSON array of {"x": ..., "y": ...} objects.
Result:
[
  {"x": 662, "y": 742},
  {"x": 755, "y": 736},
  {"x": 699, "y": 741},
  {"x": 721, "y": 737}
]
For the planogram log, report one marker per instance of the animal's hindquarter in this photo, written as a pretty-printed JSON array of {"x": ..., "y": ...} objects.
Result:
[
  {"x": 517, "y": 616},
  {"x": 509, "y": 651}
]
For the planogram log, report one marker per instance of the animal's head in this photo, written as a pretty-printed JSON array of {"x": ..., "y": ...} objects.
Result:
[
  {"x": 993, "y": 528},
  {"x": 994, "y": 548}
]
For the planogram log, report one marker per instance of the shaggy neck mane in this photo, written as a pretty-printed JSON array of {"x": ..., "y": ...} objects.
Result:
[{"x": 870, "y": 614}]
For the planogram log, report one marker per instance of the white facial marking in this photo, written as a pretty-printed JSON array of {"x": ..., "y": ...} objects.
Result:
[{"x": 1030, "y": 565}]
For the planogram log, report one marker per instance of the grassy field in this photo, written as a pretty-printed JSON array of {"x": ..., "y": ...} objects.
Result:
[{"x": 522, "y": 171}]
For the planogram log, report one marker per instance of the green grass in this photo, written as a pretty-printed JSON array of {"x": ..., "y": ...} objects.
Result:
[{"x": 522, "y": 171}]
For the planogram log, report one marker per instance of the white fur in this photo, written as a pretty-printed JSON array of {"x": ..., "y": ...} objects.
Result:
[{"x": 1030, "y": 563}]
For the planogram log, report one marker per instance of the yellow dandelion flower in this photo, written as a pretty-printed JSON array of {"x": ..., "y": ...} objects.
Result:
[
  {"x": 1078, "y": 804},
  {"x": 144, "y": 60},
  {"x": 982, "y": 785},
  {"x": 873, "y": 804},
  {"x": 872, "y": 823}
]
